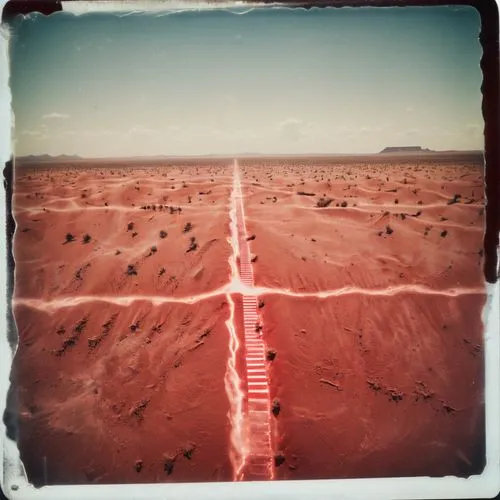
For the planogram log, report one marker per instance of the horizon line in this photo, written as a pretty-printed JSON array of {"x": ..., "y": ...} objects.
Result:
[{"x": 422, "y": 151}]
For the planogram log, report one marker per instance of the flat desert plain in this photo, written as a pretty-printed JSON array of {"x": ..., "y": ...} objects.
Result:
[{"x": 368, "y": 274}]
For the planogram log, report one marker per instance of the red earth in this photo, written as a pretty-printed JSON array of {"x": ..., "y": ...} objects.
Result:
[
  {"x": 373, "y": 385},
  {"x": 383, "y": 376},
  {"x": 132, "y": 392}
]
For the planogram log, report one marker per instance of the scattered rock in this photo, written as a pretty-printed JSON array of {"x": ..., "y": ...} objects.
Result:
[
  {"x": 253, "y": 258},
  {"x": 168, "y": 465},
  {"x": 188, "y": 451},
  {"x": 205, "y": 333},
  {"x": 389, "y": 230},
  {"x": 323, "y": 202},
  {"x": 78, "y": 274},
  {"x": 395, "y": 395},
  {"x": 163, "y": 234},
  {"x": 187, "y": 227},
  {"x": 192, "y": 245},
  {"x": 375, "y": 386},
  {"x": 279, "y": 459},
  {"x": 303, "y": 193},
  {"x": 130, "y": 226},
  {"x": 447, "y": 408},
  {"x": 271, "y": 355},
  {"x": 86, "y": 239},
  {"x": 329, "y": 382},
  {"x": 93, "y": 343},
  {"x": 261, "y": 303},
  {"x": 81, "y": 325},
  {"x": 455, "y": 199},
  {"x": 251, "y": 237},
  {"x": 71, "y": 341},
  {"x": 131, "y": 270},
  {"x": 138, "y": 465},
  {"x": 422, "y": 392},
  {"x": 343, "y": 204},
  {"x": 138, "y": 410},
  {"x": 443, "y": 233},
  {"x": 276, "y": 407},
  {"x": 69, "y": 238}
]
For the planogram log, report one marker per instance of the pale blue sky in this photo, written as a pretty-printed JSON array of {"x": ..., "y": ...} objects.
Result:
[{"x": 269, "y": 81}]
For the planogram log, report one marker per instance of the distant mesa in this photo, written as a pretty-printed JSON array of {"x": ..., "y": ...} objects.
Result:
[{"x": 406, "y": 149}]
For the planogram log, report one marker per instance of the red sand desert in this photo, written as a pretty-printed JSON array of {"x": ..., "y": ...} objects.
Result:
[{"x": 136, "y": 289}]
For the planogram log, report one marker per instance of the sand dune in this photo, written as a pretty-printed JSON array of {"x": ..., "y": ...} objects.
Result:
[
  {"x": 129, "y": 306},
  {"x": 367, "y": 242},
  {"x": 389, "y": 386}
]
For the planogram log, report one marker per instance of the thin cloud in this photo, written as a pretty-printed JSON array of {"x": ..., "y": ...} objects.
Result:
[
  {"x": 474, "y": 129},
  {"x": 288, "y": 122},
  {"x": 93, "y": 133},
  {"x": 31, "y": 132},
  {"x": 141, "y": 130},
  {"x": 292, "y": 129},
  {"x": 55, "y": 116}
]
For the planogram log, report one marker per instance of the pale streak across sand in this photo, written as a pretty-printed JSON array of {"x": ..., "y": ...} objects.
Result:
[
  {"x": 236, "y": 287},
  {"x": 367, "y": 206},
  {"x": 116, "y": 208},
  {"x": 317, "y": 190}
]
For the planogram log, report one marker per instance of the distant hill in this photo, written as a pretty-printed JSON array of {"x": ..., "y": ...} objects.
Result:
[
  {"x": 47, "y": 158},
  {"x": 406, "y": 149}
]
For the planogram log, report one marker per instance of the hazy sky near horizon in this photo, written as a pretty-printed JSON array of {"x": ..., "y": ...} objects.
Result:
[{"x": 268, "y": 81}]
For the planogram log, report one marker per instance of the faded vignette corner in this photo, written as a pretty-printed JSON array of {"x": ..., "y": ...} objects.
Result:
[
  {"x": 12, "y": 474},
  {"x": 10, "y": 465}
]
